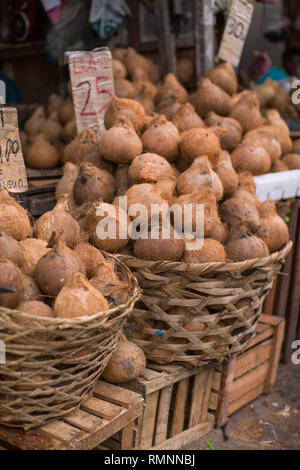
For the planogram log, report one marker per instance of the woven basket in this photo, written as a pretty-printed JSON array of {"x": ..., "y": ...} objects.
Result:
[
  {"x": 226, "y": 298},
  {"x": 52, "y": 366}
]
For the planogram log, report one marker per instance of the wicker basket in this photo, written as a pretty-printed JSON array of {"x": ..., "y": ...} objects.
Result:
[
  {"x": 52, "y": 364},
  {"x": 226, "y": 298}
]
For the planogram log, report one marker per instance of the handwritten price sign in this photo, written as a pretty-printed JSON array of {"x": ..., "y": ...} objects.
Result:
[
  {"x": 92, "y": 87},
  {"x": 12, "y": 168},
  {"x": 236, "y": 31}
]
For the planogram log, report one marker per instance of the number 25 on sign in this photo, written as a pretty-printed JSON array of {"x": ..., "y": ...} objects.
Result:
[
  {"x": 236, "y": 31},
  {"x": 92, "y": 86}
]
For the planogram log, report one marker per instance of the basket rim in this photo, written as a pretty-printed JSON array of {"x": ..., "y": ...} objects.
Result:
[
  {"x": 136, "y": 292},
  {"x": 222, "y": 266}
]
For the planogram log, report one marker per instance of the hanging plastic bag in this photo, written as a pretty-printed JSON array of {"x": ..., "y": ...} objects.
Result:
[{"x": 106, "y": 17}]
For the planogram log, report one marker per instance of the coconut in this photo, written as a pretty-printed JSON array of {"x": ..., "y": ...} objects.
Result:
[
  {"x": 244, "y": 245},
  {"x": 80, "y": 147},
  {"x": 127, "y": 362},
  {"x": 210, "y": 97},
  {"x": 185, "y": 70},
  {"x": 162, "y": 138},
  {"x": 172, "y": 86},
  {"x": 251, "y": 157},
  {"x": 66, "y": 111},
  {"x": 292, "y": 161},
  {"x": 31, "y": 290},
  {"x": 131, "y": 110},
  {"x": 122, "y": 179},
  {"x": 41, "y": 154},
  {"x": 107, "y": 282},
  {"x": 186, "y": 118},
  {"x": 11, "y": 249},
  {"x": 55, "y": 267},
  {"x": 69, "y": 131},
  {"x": 120, "y": 143},
  {"x": 296, "y": 146},
  {"x": 51, "y": 128},
  {"x": 90, "y": 256},
  {"x": 233, "y": 136},
  {"x": 196, "y": 142},
  {"x": 34, "y": 124},
  {"x": 118, "y": 224},
  {"x": 200, "y": 175},
  {"x": 124, "y": 88},
  {"x": 266, "y": 140},
  {"x": 246, "y": 112},
  {"x": 119, "y": 69},
  {"x": 14, "y": 220},
  {"x": 149, "y": 168},
  {"x": 274, "y": 119},
  {"x": 34, "y": 307},
  {"x": 78, "y": 298},
  {"x": 66, "y": 183},
  {"x": 273, "y": 229},
  {"x": 226, "y": 173},
  {"x": 278, "y": 166},
  {"x": 11, "y": 278},
  {"x": 54, "y": 103},
  {"x": 32, "y": 249},
  {"x": 240, "y": 208},
  {"x": 168, "y": 106},
  {"x": 159, "y": 246},
  {"x": 92, "y": 184},
  {"x": 60, "y": 221},
  {"x": 224, "y": 76},
  {"x": 95, "y": 159},
  {"x": 212, "y": 251},
  {"x": 220, "y": 233}
]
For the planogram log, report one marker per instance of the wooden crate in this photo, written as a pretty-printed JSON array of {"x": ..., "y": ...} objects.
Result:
[
  {"x": 246, "y": 376},
  {"x": 176, "y": 405},
  {"x": 110, "y": 410},
  {"x": 40, "y": 196},
  {"x": 284, "y": 298}
]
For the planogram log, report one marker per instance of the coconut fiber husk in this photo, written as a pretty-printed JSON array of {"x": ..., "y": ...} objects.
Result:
[
  {"x": 52, "y": 366},
  {"x": 226, "y": 299}
]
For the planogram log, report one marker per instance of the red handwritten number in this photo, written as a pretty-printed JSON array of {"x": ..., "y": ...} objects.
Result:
[
  {"x": 98, "y": 82},
  {"x": 83, "y": 111}
]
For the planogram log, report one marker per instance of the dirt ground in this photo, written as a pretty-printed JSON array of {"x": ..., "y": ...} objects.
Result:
[{"x": 272, "y": 422}]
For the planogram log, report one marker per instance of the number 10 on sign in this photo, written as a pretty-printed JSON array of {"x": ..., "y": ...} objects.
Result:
[{"x": 236, "y": 31}]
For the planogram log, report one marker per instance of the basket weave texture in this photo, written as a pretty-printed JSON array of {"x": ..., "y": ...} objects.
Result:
[
  {"x": 224, "y": 298},
  {"x": 52, "y": 364}
]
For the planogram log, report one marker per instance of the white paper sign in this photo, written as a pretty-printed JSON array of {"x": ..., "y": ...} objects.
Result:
[
  {"x": 2, "y": 92},
  {"x": 236, "y": 31},
  {"x": 278, "y": 186},
  {"x": 92, "y": 87}
]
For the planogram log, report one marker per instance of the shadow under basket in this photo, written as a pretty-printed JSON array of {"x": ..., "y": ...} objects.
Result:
[
  {"x": 221, "y": 302},
  {"x": 52, "y": 364}
]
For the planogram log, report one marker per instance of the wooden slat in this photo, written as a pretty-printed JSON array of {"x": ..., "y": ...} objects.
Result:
[
  {"x": 179, "y": 407},
  {"x": 246, "y": 398},
  {"x": 269, "y": 320},
  {"x": 248, "y": 381},
  {"x": 186, "y": 437},
  {"x": 261, "y": 336},
  {"x": 268, "y": 306},
  {"x": 101, "y": 408},
  {"x": 83, "y": 420},
  {"x": 216, "y": 381},
  {"x": 274, "y": 357},
  {"x": 61, "y": 430},
  {"x": 127, "y": 437},
  {"x": 114, "y": 394},
  {"x": 149, "y": 420},
  {"x": 197, "y": 398},
  {"x": 30, "y": 440},
  {"x": 224, "y": 395},
  {"x": 252, "y": 358},
  {"x": 207, "y": 392},
  {"x": 213, "y": 401},
  {"x": 163, "y": 413}
]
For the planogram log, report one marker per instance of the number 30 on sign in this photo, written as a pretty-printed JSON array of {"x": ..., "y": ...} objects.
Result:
[
  {"x": 92, "y": 87},
  {"x": 236, "y": 30}
]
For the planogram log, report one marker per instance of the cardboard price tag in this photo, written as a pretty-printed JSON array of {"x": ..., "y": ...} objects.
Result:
[
  {"x": 236, "y": 31},
  {"x": 92, "y": 87},
  {"x": 12, "y": 168}
]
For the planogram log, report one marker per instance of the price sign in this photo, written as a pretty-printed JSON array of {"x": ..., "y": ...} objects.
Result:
[
  {"x": 2, "y": 92},
  {"x": 92, "y": 87},
  {"x": 236, "y": 31},
  {"x": 12, "y": 168}
]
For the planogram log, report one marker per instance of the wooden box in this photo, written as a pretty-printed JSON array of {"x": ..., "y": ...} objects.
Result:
[
  {"x": 246, "y": 376},
  {"x": 176, "y": 405},
  {"x": 110, "y": 410},
  {"x": 284, "y": 298}
]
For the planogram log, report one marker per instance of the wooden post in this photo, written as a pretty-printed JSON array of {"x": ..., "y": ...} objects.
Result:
[
  {"x": 204, "y": 37},
  {"x": 166, "y": 39}
]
